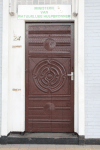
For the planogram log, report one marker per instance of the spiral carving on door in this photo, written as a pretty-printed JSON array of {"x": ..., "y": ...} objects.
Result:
[
  {"x": 49, "y": 75},
  {"x": 49, "y": 44}
]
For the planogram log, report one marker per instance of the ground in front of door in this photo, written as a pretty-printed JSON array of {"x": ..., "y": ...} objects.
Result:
[{"x": 49, "y": 147}]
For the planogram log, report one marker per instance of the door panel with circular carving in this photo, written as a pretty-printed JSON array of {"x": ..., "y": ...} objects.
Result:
[{"x": 49, "y": 88}]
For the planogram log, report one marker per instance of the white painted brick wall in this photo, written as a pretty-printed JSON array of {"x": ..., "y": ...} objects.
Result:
[
  {"x": 1, "y": 5},
  {"x": 92, "y": 68}
]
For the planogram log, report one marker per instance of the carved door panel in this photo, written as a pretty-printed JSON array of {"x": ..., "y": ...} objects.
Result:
[{"x": 49, "y": 105}]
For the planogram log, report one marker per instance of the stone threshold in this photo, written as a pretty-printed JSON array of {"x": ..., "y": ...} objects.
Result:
[
  {"x": 47, "y": 138},
  {"x": 40, "y": 138}
]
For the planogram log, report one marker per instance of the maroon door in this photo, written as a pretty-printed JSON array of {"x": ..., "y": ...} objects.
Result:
[{"x": 48, "y": 86}]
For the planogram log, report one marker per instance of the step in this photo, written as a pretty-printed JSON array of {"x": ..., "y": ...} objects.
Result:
[{"x": 41, "y": 138}]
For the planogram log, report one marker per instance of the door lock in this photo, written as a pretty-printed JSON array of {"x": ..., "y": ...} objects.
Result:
[{"x": 71, "y": 75}]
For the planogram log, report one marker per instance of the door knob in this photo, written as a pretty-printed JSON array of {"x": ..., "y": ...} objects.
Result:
[{"x": 71, "y": 75}]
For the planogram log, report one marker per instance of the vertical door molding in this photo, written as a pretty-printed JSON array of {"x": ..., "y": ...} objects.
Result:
[
  {"x": 75, "y": 69},
  {"x": 81, "y": 107},
  {"x": 5, "y": 46}
]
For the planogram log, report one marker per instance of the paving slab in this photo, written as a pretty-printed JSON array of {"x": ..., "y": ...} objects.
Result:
[{"x": 48, "y": 147}]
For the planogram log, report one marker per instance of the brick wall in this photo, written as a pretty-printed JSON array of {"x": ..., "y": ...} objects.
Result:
[
  {"x": 92, "y": 68},
  {"x": 1, "y": 5}
]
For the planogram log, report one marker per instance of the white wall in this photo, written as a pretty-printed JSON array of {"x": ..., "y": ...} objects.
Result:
[
  {"x": 92, "y": 68},
  {"x": 1, "y": 14},
  {"x": 16, "y": 105},
  {"x": 13, "y": 74}
]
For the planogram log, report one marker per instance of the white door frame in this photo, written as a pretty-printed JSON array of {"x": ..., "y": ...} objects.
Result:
[{"x": 79, "y": 108}]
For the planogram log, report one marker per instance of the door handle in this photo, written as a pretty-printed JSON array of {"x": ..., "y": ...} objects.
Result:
[{"x": 71, "y": 75}]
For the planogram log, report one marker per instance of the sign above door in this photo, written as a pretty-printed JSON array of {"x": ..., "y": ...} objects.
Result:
[{"x": 44, "y": 12}]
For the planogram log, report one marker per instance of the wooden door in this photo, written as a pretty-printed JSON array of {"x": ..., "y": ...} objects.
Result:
[{"x": 49, "y": 90}]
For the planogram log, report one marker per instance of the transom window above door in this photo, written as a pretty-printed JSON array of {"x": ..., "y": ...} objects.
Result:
[
  {"x": 14, "y": 3},
  {"x": 42, "y": 2}
]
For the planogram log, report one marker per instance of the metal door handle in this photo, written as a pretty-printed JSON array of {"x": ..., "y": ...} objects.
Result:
[{"x": 71, "y": 75}]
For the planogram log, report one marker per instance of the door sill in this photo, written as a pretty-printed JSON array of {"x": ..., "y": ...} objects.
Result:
[{"x": 41, "y": 138}]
